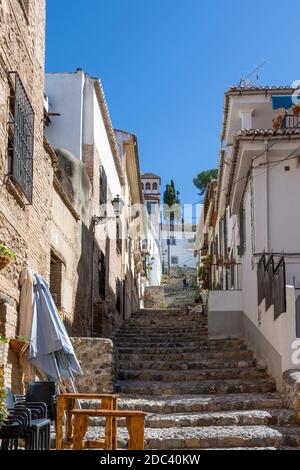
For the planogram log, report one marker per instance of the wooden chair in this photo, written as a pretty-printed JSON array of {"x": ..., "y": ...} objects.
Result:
[
  {"x": 66, "y": 403},
  {"x": 135, "y": 423}
]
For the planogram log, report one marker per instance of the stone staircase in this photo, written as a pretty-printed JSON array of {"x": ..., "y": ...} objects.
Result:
[{"x": 199, "y": 393}]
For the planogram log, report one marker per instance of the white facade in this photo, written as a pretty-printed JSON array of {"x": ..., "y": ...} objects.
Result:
[
  {"x": 80, "y": 123},
  {"x": 255, "y": 207},
  {"x": 180, "y": 251}
]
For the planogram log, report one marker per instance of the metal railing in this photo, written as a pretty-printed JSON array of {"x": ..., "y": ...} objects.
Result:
[{"x": 290, "y": 121}]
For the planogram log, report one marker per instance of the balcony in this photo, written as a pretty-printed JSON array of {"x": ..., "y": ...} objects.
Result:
[{"x": 290, "y": 121}]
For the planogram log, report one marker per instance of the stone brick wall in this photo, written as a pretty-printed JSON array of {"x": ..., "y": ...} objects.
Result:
[
  {"x": 291, "y": 389},
  {"x": 154, "y": 297},
  {"x": 23, "y": 228},
  {"x": 97, "y": 359}
]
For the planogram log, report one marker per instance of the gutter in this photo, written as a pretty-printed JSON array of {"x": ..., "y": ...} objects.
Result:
[{"x": 109, "y": 128}]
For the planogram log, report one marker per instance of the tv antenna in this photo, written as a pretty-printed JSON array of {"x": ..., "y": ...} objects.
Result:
[{"x": 252, "y": 78}]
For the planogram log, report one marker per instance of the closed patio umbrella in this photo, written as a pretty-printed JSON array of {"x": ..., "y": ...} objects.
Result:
[{"x": 50, "y": 350}]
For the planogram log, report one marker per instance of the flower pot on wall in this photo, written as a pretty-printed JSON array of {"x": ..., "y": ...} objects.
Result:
[{"x": 18, "y": 346}]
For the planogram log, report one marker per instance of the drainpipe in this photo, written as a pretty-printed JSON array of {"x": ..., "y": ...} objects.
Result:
[
  {"x": 267, "y": 195},
  {"x": 93, "y": 277}
]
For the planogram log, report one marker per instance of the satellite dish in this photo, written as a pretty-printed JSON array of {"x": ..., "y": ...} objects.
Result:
[{"x": 252, "y": 78}]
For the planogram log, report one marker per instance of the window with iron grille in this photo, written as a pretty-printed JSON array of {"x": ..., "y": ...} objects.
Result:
[
  {"x": 242, "y": 231},
  {"x": 102, "y": 274},
  {"x": 118, "y": 295},
  {"x": 173, "y": 241},
  {"x": 20, "y": 137},
  {"x": 119, "y": 236},
  {"x": 103, "y": 188}
]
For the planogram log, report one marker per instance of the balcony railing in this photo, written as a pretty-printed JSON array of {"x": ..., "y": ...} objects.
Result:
[{"x": 290, "y": 121}]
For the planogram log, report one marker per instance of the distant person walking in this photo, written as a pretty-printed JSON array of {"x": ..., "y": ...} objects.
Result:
[{"x": 184, "y": 282}]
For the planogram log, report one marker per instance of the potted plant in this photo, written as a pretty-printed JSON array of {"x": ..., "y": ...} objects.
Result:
[
  {"x": 3, "y": 409},
  {"x": 6, "y": 256},
  {"x": 3, "y": 348},
  {"x": 277, "y": 122},
  {"x": 296, "y": 109},
  {"x": 19, "y": 344}
]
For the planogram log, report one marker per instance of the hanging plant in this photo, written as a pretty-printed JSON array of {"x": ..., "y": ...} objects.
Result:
[
  {"x": 296, "y": 109},
  {"x": 3, "y": 408},
  {"x": 277, "y": 121},
  {"x": 3, "y": 348},
  {"x": 19, "y": 344},
  {"x": 6, "y": 256}
]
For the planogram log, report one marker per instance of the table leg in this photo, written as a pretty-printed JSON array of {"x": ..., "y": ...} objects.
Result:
[
  {"x": 70, "y": 402},
  {"x": 80, "y": 428},
  {"x": 107, "y": 404},
  {"x": 136, "y": 428},
  {"x": 114, "y": 426},
  {"x": 59, "y": 421}
]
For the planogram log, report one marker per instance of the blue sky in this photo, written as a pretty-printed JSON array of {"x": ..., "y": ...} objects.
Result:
[{"x": 165, "y": 65}]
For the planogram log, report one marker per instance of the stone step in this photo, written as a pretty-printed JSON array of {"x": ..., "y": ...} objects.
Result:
[
  {"x": 158, "y": 350},
  {"x": 166, "y": 336},
  {"x": 196, "y": 403},
  {"x": 220, "y": 437},
  {"x": 217, "y": 437},
  {"x": 258, "y": 385},
  {"x": 203, "y": 363},
  {"x": 171, "y": 357},
  {"x": 146, "y": 342},
  {"x": 186, "y": 375},
  {"x": 275, "y": 417},
  {"x": 183, "y": 329}
]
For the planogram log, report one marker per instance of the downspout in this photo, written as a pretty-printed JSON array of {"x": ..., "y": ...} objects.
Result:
[
  {"x": 93, "y": 278},
  {"x": 267, "y": 196}
]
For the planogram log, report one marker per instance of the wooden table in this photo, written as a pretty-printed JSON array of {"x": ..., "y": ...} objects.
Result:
[
  {"x": 135, "y": 423},
  {"x": 66, "y": 403}
]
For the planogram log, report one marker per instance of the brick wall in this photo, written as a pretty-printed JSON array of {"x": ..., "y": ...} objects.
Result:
[{"x": 23, "y": 228}]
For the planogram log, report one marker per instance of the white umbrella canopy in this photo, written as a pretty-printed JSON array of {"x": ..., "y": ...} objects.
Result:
[
  {"x": 26, "y": 302},
  {"x": 50, "y": 351}
]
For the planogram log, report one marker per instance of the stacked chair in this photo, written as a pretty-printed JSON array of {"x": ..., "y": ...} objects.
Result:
[{"x": 29, "y": 418}]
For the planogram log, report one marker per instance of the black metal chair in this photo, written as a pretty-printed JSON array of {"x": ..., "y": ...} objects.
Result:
[
  {"x": 33, "y": 420},
  {"x": 41, "y": 392}
]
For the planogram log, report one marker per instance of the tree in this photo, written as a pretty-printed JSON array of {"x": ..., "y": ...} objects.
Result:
[
  {"x": 204, "y": 178},
  {"x": 172, "y": 209}
]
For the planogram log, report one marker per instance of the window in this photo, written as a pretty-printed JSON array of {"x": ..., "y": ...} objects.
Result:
[
  {"x": 173, "y": 241},
  {"x": 174, "y": 259},
  {"x": 57, "y": 272},
  {"x": 118, "y": 295},
  {"x": 102, "y": 274},
  {"x": 148, "y": 186},
  {"x": 154, "y": 186},
  {"x": 242, "y": 231},
  {"x": 119, "y": 236},
  {"x": 151, "y": 207},
  {"x": 20, "y": 138},
  {"x": 103, "y": 187},
  {"x": 143, "y": 186}
]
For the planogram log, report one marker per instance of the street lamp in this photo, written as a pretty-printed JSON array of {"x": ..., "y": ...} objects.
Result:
[{"x": 117, "y": 205}]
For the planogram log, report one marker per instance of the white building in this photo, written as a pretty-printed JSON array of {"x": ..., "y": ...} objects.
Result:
[
  {"x": 81, "y": 124},
  {"x": 248, "y": 235},
  {"x": 178, "y": 245},
  {"x": 145, "y": 228}
]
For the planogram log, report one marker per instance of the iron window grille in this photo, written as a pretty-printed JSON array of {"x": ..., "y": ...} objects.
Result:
[
  {"x": 102, "y": 274},
  {"x": 118, "y": 296},
  {"x": 103, "y": 189},
  {"x": 20, "y": 137},
  {"x": 119, "y": 235},
  {"x": 242, "y": 231}
]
